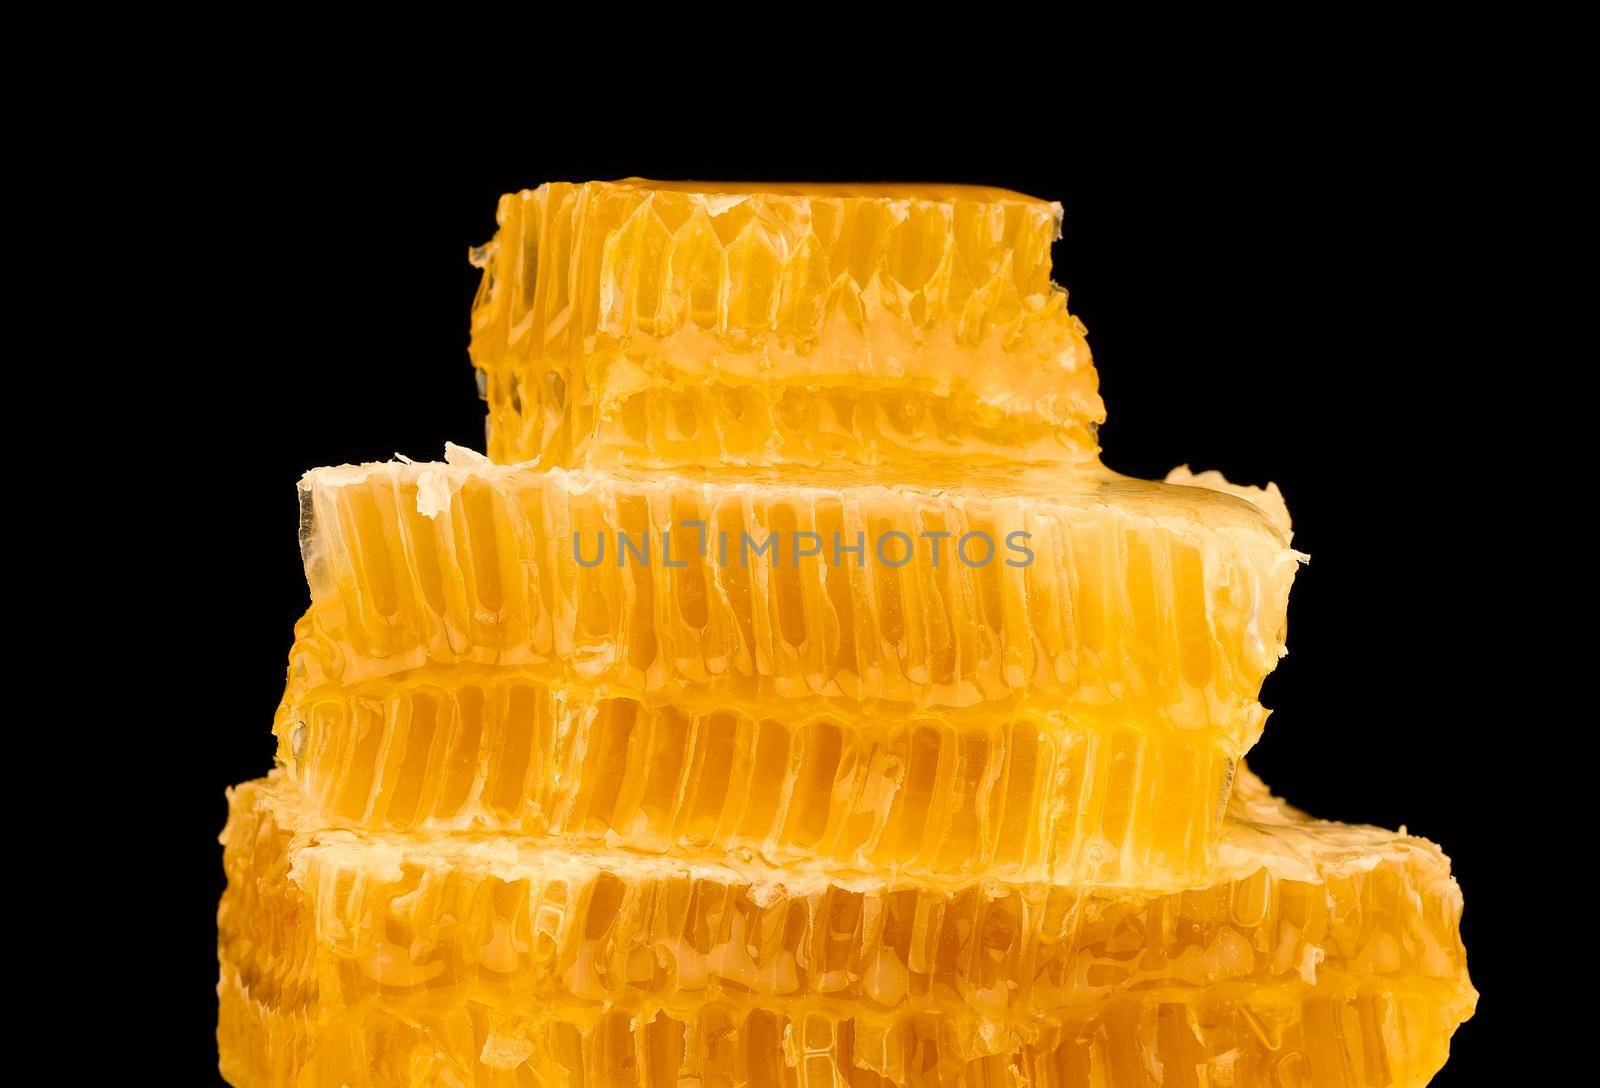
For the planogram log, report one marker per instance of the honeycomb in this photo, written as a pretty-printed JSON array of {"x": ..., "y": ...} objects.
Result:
[
  {"x": 1367, "y": 1037},
  {"x": 1311, "y": 937},
  {"x": 793, "y": 699},
  {"x": 1094, "y": 592},
  {"x": 1030, "y": 795},
  {"x": 656, "y": 325}
]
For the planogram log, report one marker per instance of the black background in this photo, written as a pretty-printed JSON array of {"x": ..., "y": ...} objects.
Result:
[{"x": 1282, "y": 278}]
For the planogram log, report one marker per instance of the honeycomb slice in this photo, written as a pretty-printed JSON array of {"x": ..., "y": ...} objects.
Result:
[
  {"x": 1324, "y": 1037},
  {"x": 1336, "y": 948},
  {"x": 1033, "y": 796},
  {"x": 1088, "y": 594},
  {"x": 653, "y": 324}
]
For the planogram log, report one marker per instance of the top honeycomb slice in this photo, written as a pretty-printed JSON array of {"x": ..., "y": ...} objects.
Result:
[{"x": 650, "y": 324}]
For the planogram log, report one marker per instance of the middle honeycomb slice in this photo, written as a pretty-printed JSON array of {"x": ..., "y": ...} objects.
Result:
[
  {"x": 485, "y": 652},
  {"x": 1092, "y": 593}
]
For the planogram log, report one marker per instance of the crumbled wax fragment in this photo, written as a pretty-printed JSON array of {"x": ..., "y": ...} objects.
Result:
[{"x": 1269, "y": 499}]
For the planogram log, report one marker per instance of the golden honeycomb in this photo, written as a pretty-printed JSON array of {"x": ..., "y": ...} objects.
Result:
[
  {"x": 1028, "y": 795},
  {"x": 658, "y": 324},
  {"x": 364, "y": 938},
  {"x": 1366, "y": 1037},
  {"x": 793, "y": 699},
  {"x": 1093, "y": 592}
]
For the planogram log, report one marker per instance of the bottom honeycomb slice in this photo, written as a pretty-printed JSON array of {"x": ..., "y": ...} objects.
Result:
[
  {"x": 341, "y": 939},
  {"x": 916, "y": 431},
  {"x": 1327, "y": 1036}
]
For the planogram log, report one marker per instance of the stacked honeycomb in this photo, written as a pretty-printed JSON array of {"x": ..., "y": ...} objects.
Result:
[{"x": 796, "y": 700}]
